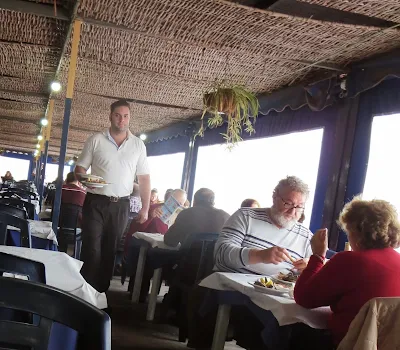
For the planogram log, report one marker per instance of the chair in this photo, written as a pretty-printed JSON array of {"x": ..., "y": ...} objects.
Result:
[
  {"x": 68, "y": 232},
  {"x": 52, "y": 305},
  {"x": 15, "y": 202},
  {"x": 18, "y": 265},
  {"x": 195, "y": 263},
  {"x": 21, "y": 213},
  {"x": 12, "y": 220}
]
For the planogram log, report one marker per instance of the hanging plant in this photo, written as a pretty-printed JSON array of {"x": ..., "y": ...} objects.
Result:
[{"x": 234, "y": 104}]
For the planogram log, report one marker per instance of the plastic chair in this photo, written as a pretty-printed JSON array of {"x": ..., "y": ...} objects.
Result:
[
  {"x": 21, "y": 213},
  {"x": 68, "y": 232},
  {"x": 52, "y": 305},
  {"x": 19, "y": 203},
  {"x": 17, "y": 265},
  {"x": 21, "y": 224},
  {"x": 196, "y": 262}
]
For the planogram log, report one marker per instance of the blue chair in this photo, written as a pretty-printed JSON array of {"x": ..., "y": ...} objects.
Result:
[
  {"x": 12, "y": 220},
  {"x": 52, "y": 305}
]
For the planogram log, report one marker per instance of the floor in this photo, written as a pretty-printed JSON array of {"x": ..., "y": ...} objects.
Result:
[{"x": 130, "y": 330}]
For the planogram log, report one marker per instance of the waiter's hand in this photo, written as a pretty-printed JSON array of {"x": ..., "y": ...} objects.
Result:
[{"x": 142, "y": 216}]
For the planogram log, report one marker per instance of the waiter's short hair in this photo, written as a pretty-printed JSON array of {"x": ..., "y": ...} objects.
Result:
[
  {"x": 119, "y": 103},
  {"x": 71, "y": 177}
]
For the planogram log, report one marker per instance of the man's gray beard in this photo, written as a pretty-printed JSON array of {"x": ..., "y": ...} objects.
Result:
[{"x": 281, "y": 220}]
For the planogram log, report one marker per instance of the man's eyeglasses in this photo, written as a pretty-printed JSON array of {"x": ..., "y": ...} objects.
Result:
[{"x": 286, "y": 205}]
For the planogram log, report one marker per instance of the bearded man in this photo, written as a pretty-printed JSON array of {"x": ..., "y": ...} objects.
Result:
[{"x": 267, "y": 240}]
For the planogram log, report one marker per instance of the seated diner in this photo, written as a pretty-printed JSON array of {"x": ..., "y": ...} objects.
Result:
[{"x": 352, "y": 278}]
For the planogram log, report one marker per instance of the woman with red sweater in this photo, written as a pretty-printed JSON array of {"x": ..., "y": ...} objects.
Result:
[{"x": 350, "y": 279}]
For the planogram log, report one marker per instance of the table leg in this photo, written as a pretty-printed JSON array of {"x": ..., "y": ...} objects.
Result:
[
  {"x": 139, "y": 274},
  {"x": 151, "y": 308},
  {"x": 221, "y": 327}
]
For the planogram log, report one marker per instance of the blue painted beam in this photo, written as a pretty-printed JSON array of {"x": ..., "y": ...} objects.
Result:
[{"x": 63, "y": 151}]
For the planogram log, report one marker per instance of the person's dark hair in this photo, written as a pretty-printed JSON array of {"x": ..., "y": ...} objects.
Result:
[
  {"x": 119, "y": 103},
  {"x": 249, "y": 202},
  {"x": 204, "y": 197},
  {"x": 154, "y": 190},
  {"x": 71, "y": 177}
]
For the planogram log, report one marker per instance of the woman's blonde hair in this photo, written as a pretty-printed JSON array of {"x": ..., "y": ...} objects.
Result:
[{"x": 375, "y": 223}]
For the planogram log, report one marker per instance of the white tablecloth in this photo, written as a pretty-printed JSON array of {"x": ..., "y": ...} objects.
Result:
[
  {"x": 62, "y": 271},
  {"x": 285, "y": 310},
  {"x": 41, "y": 229},
  {"x": 156, "y": 240}
]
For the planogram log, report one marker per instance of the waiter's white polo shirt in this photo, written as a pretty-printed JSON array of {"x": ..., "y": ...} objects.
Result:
[{"x": 116, "y": 165}]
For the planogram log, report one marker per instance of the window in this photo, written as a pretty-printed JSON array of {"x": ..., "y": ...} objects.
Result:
[
  {"x": 383, "y": 165},
  {"x": 166, "y": 172},
  {"x": 18, "y": 167},
  {"x": 253, "y": 168},
  {"x": 52, "y": 172}
]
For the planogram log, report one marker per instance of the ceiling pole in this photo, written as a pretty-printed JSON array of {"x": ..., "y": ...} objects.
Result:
[
  {"x": 67, "y": 113},
  {"x": 46, "y": 138}
]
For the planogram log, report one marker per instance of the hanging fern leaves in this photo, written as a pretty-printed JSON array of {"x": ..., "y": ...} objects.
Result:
[{"x": 233, "y": 104}]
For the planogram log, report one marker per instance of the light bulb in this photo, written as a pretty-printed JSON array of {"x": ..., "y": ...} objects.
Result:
[
  {"x": 55, "y": 86},
  {"x": 40, "y": 137},
  {"x": 143, "y": 137},
  {"x": 44, "y": 121}
]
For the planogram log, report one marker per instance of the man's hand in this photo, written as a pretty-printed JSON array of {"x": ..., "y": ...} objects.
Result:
[
  {"x": 301, "y": 264},
  {"x": 273, "y": 255},
  {"x": 319, "y": 242},
  {"x": 142, "y": 216}
]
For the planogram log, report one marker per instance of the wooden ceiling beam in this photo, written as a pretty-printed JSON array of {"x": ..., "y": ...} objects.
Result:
[{"x": 34, "y": 9}]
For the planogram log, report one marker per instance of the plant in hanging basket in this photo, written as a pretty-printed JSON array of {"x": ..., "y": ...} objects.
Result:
[{"x": 234, "y": 104}]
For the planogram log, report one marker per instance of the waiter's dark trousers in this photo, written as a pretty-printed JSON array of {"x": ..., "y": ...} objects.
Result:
[{"x": 103, "y": 223}]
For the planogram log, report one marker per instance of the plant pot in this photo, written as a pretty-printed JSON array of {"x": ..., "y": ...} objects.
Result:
[{"x": 221, "y": 100}]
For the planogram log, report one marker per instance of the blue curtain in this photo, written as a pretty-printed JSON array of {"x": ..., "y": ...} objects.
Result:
[
  {"x": 276, "y": 123},
  {"x": 173, "y": 145},
  {"x": 382, "y": 100}
]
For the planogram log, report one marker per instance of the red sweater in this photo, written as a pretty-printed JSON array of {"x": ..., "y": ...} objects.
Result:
[{"x": 347, "y": 282}]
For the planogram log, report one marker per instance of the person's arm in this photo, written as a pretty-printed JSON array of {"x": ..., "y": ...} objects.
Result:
[
  {"x": 319, "y": 284},
  {"x": 178, "y": 231},
  {"x": 145, "y": 189},
  {"x": 85, "y": 158},
  {"x": 143, "y": 176}
]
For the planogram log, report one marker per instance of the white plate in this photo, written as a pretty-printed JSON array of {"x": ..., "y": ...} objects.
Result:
[
  {"x": 89, "y": 176},
  {"x": 93, "y": 184},
  {"x": 276, "y": 279},
  {"x": 279, "y": 291}
]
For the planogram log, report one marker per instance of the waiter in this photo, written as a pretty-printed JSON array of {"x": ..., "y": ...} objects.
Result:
[{"x": 117, "y": 156}]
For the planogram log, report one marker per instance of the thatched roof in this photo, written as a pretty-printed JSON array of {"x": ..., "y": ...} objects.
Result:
[{"x": 162, "y": 55}]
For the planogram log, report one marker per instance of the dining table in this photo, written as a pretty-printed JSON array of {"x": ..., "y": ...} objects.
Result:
[
  {"x": 149, "y": 241},
  {"x": 283, "y": 307}
]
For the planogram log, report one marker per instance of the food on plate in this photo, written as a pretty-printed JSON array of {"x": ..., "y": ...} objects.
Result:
[
  {"x": 95, "y": 180},
  {"x": 289, "y": 277},
  {"x": 264, "y": 282}
]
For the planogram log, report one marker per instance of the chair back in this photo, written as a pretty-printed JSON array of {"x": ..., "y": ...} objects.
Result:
[
  {"x": 52, "y": 305},
  {"x": 69, "y": 215},
  {"x": 21, "y": 213},
  {"x": 197, "y": 258},
  {"x": 12, "y": 220},
  {"x": 34, "y": 270},
  {"x": 15, "y": 202}
]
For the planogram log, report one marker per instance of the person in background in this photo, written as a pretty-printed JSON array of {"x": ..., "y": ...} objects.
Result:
[
  {"x": 154, "y": 196},
  {"x": 280, "y": 238},
  {"x": 7, "y": 177},
  {"x": 201, "y": 218},
  {"x": 117, "y": 156},
  {"x": 250, "y": 203},
  {"x": 132, "y": 245},
  {"x": 352, "y": 278},
  {"x": 168, "y": 193},
  {"x": 72, "y": 192}
]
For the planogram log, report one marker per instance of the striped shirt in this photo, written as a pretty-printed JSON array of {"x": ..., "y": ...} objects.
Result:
[{"x": 252, "y": 228}]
